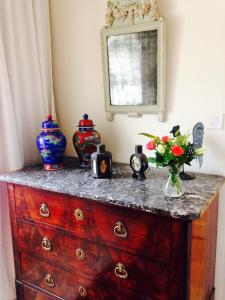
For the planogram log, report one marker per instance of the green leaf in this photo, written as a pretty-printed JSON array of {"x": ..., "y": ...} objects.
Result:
[
  {"x": 177, "y": 132},
  {"x": 151, "y": 136},
  {"x": 152, "y": 160},
  {"x": 181, "y": 140}
]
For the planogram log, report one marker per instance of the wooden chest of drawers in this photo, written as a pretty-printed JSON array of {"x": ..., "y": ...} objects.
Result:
[{"x": 71, "y": 248}]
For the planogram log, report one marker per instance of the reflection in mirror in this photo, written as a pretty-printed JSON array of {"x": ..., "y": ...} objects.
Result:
[{"x": 132, "y": 60}]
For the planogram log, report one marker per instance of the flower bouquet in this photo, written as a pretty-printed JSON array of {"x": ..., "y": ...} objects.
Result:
[{"x": 173, "y": 152}]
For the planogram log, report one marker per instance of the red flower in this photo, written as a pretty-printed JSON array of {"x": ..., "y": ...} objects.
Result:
[
  {"x": 177, "y": 151},
  {"x": 151, "y": 145},
  {"x": 165, "y": 139}
]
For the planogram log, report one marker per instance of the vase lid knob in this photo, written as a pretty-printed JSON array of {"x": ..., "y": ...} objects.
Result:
[
  {"x": 49, "y": 117},
  {"x": 49, "y": 123},
  {"x": 86, "y": 122}
]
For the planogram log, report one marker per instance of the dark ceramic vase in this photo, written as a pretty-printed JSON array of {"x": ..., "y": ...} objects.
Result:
[
  {"x": 85, "y": 141},
  {"x": 51, "y": 144}
]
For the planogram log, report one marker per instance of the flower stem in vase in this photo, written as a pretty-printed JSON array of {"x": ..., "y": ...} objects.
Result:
[{"x": 174, "y": 187}]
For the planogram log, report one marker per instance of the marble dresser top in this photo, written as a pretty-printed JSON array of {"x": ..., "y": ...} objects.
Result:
[{"x": 122, "y": 189}]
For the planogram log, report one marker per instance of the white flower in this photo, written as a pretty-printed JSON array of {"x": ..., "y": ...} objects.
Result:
[
  {"x": 160, "y": 149},
  {"x": 109, "y": 11},
  {"x": 199, "y": 151}
]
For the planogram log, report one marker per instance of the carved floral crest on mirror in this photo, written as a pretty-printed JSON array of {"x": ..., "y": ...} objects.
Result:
[{"x": 133, "y": 52}]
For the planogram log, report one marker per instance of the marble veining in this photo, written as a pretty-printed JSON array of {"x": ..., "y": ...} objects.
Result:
[{"x": 122, "y": 189}]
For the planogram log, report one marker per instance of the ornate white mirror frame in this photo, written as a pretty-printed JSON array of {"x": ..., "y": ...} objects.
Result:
[{"x": 124, "y": 17}]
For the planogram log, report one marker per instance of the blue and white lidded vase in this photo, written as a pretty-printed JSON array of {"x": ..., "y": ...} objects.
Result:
[{"x": 51, "y": 144}]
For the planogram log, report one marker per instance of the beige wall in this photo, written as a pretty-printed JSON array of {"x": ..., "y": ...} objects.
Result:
[
  {"x": 195, "y": 74},
  {"x": 195, "y": 85}
]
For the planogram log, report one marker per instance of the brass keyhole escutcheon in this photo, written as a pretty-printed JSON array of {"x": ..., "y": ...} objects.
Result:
[
  {"x": 120, "y": 230},
  {"x": 120, "y": 271},
  {"x": 44, "y": 210},
  {"x": 80, "y": 254},
  {"x": 82, "y": 291},
  {"x": 46, "y": 244},
  {"x": 49, "y": 281},
  {"x": 79, "y": 215}
]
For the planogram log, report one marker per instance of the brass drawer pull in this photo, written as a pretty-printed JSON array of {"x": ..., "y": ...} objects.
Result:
[
  {"x": 82, "y": 291},
  {"x": 78, "y": 213},
  {"x": 46, "y": 244},
  {"x": 120, "y": 230},
  {"x": 44, "y": 211},
  {"x": 120, "y": 271},
  {"x": 80, "y": 254},
  {"x": 49, "y": 281}
]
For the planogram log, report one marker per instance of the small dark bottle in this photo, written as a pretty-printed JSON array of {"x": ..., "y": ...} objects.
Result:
[
  {"x": 101, "y": 162},
  {"x": 139, "y": 163}
]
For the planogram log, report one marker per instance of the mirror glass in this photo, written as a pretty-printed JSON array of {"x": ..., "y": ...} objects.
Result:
[{"x": 132, "y": 63}]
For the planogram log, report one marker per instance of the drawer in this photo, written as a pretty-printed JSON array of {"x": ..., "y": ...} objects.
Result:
[
  {"x": 120, "y": 294},
  {"x": 32, "y": 294},
  {"x": 140, "y": 233},
  {"x": 67, "y": 285},
  {"x": 56, "y": 246},
  {"x": 118, "y": 270}
]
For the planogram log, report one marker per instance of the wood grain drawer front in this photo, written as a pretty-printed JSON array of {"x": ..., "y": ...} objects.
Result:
[
  {"x": 139, "y": 276},
  {"x": 53, "y": 208},
  {"x": 135, "y": 273},
  {"x": 99, "y": 292},
  {"x": 126, "y": 229},
  {"x": 32, "y": 294},
  {"x": 83, "y": 257},
  {"x": 55, "y": 246},
  {"x": 69, "y": 286}
]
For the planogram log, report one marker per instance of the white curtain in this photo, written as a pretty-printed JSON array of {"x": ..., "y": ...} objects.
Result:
[{"x": 26, "y": 97}]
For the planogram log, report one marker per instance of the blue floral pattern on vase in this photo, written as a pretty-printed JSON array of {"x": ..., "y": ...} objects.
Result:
[{"x": 51, "y": 144}]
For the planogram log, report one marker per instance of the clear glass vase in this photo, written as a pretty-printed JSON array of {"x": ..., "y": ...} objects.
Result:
[{"x": 174, "y": 187}]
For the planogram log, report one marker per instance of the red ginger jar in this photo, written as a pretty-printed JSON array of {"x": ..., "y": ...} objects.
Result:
[{"x": 85, "y": 141}]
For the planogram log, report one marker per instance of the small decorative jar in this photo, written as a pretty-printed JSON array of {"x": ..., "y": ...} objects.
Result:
[
  {"x": 101, "y": 162},
  {"x": 85, "y": 140},
  {"x": 51, "y": 144}
]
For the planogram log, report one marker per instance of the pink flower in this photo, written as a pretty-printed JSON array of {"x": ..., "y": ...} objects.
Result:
[
  {"x": 151, "y": 145},
  {"x": 177, "y": 151},
  {"x": 165, "y": 139}
]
